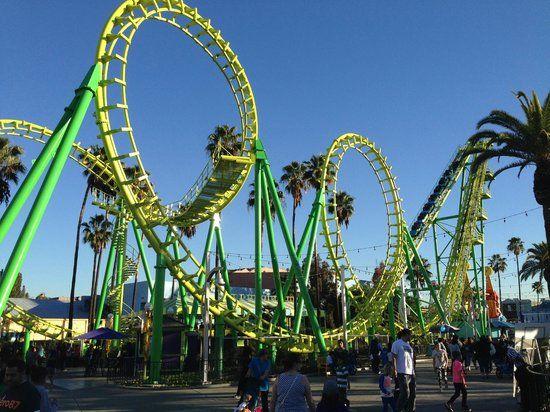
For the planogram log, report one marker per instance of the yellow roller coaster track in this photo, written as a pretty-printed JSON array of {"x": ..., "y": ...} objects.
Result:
[{"x": 368, "y": 303}]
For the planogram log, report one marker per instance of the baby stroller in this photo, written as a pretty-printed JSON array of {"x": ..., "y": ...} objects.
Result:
[{"x": 504, "y": 369}]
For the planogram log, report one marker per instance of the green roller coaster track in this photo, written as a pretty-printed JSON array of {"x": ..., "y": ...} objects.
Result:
[{"x": 137, "y": 204}]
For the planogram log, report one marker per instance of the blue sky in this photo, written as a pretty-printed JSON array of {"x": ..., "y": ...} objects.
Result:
[{"x": 415, "y": 77}]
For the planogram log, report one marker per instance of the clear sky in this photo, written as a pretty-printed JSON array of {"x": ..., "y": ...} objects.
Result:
[{"x": 413, "y": 76}]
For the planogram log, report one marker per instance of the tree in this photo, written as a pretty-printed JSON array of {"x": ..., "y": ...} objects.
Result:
[
  {"x": 92, "y": 182},
  {"x": 296, "y": 185},
  {"x": 223, "y": 141},
  {"x": 189, "y": 231},
  {"x": 528, "y": 142},
  {"x": 313, "y": 174},
  {"x": 536, "y": 264},
  {"x": 314, "y": 171},
  {"x": 418, "y": 273},
  {"x": 96, "y": 232},
  {"x": 18, "y": 290},
  {"x": 538, "y": 289},
  {"x": 11, "y": 168},
  {"x": 251, "y": 201},
  {"x": 341, "y": 205},
  {"x": 499, "y": 265},
  {"x": 515, "y": 245}
]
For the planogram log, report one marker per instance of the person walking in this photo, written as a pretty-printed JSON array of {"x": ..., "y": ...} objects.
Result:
[
  {"x": 330, "y": 400},
  {"x": 342, "y": 375},
  {"x": 375, "y": 348},
  {"x": 468, "y": 349},
  {"x": 291, "y": 391},
  {"x": 440, "y": 361},
  {"x": 483, "y": 355},
  {"x": 459, "y": 382},
  {"x": 259, "y": 369},
  {"x": 403, "y": 364}
]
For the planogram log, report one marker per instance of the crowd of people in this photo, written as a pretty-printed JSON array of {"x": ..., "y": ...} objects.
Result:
[
  {"x": 394, "y": 363},
  {"x": 23, "y": 382}
]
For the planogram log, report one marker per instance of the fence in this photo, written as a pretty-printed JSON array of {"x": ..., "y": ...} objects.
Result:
[{"x": 132, "y": 371}]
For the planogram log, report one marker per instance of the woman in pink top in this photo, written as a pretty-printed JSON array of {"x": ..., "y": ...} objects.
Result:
[{"x": 459, "y": 382}]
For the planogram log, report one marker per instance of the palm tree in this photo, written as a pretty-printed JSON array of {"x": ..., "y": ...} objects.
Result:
[
  {"x": 341, "y": 205},
  {"x": 526, "y": 141},
  {"x": 223, "y": 141},
  {"x": 537, "y": 264},
  {"x": 96, "y": 232},
  {"x": 189, "y": 231},
  {"x": 92, "y": 182},
  {"x": 499, "y": 265},
  {"x": 515, "y": 245},
  {"x": 417, "y": 271},
  {"x": 251, "y": 201},
  {"x": 314, "y": 171},
  {"x": 296, "y": 185},
  {"x": 11, "y": 168},
  {"x": 538, "y": 289},
  {"x": 313, "y": 174}
]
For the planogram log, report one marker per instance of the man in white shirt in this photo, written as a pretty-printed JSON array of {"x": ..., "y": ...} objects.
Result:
[{"x": 403, "y": 365}]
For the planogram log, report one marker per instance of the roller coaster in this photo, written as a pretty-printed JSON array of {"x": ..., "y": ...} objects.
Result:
[{"x": 133, "y": 201}]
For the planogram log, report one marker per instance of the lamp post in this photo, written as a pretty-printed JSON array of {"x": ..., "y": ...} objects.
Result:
[
  {"x": 147, "y": 338},
  {"x": 206, "y": 325}
]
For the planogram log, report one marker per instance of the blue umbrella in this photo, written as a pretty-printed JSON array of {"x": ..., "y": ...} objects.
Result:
[{"x": 101, "y": 334}]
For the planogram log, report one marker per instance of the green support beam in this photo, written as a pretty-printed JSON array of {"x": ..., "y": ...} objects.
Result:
[
  {"x": 121, "y": 251},
  {"x": 258, "y": 228},
  {"x": 26, "y": 343},
  {"x": 182, "y": 291},
  {"x": 317, "y": 205},
  {"x": 107, "y": 276},
  {"x": 412, "y": 281},
  {"x": 433, "y": 292},
  {"x": 202, "y": 274},
  {"x": 156, "y": 340},
  {"x": 141, "y": 250},
  {"x": 281, "y": 308},
  {"x": 84, "y": 95},
  {"x": 33, "y": 176},
  {"x": 294, "y": 258}
]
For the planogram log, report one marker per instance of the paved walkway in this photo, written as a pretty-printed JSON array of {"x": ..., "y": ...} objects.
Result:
[{"x": 87, "y": 394}]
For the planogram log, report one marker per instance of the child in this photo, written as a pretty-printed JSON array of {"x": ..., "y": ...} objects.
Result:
[
  {"x": 459, "y": 382},
  {"x": 440, "y": 361},
  {"x": 243, "y": 406},
  {"x": 385, "y": 383}
]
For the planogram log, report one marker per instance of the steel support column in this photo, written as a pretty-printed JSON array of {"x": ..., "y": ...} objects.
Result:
[{"x": 84, "y": 93}]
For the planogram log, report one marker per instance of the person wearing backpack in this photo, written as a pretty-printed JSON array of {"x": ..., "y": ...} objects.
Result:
[{"x": 291, "y": 391}]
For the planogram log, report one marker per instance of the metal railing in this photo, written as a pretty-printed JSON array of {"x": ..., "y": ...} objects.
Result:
[{"x": 174, "y": 371}]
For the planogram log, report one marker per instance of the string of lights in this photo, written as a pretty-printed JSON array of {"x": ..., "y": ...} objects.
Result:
[{"x": 266, "y": 257}]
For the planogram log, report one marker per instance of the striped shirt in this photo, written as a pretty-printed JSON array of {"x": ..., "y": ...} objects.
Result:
[{"x": 342, "y": 373}]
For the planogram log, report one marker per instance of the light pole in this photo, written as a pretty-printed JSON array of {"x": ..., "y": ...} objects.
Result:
[
  {"x": 404, "y": 303},
  {"x": 344, "y": 306},
  {"x": 206, "y": 325}
]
